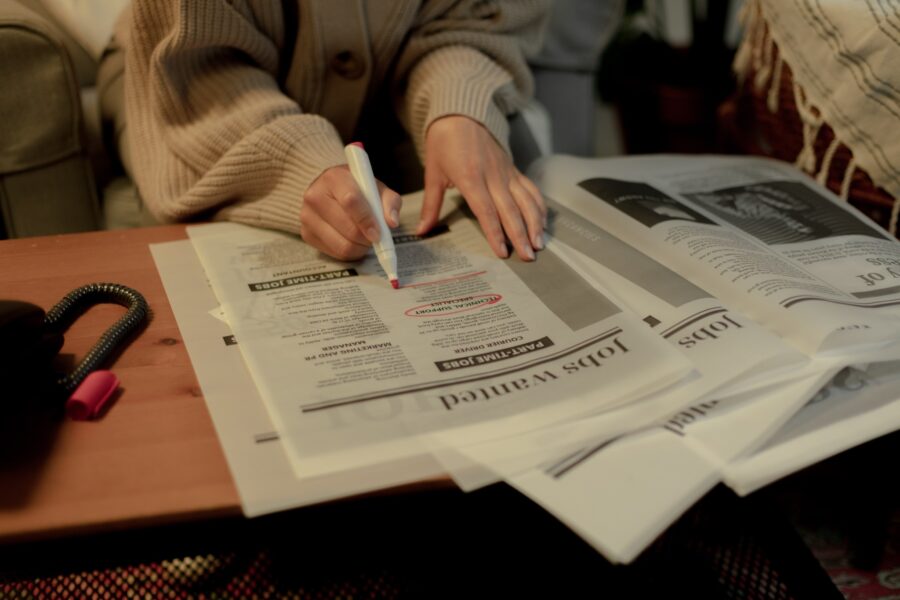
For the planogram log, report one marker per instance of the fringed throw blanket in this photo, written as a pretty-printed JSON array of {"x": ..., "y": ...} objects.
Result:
[{"x": 827, "y": 72}]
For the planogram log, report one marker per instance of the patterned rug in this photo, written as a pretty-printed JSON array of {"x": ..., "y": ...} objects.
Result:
[
  {"x": 846, "y": 562},
  {"x": 847, "y": 511}
]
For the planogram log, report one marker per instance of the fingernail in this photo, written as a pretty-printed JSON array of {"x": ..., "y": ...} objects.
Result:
[
  {"x": 372, "y": 234},
  {"x": 539, "y": 241},
  {"x": 502, "y": 252},
  {"x": 528, "y": 252},
  {"x": 395, "y": 216}
]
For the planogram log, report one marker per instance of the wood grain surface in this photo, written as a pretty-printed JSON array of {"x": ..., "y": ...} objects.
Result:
[{"x": 153, "y": 456}]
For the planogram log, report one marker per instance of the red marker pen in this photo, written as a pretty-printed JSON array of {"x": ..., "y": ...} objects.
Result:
[{"x": 361, "y": 169}]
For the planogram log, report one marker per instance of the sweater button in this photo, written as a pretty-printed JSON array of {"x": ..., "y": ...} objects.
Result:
[{"x": 348, "y": 65}]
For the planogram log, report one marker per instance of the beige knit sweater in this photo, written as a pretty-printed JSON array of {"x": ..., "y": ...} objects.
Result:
[{"x": 235, "y": 106}]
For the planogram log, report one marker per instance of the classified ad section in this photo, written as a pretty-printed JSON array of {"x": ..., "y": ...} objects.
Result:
[{"x": 343, "y": 360}]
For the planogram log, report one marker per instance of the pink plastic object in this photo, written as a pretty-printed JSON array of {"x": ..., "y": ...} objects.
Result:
[{"x": 91, "y": 396}]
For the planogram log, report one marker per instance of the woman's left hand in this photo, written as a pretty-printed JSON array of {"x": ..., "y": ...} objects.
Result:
[{"x": 462, "y": 153}]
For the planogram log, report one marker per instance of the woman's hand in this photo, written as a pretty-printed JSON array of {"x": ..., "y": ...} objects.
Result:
[
  {"x": 336, "y": 219},
  {"x": 462, "y": 153}
]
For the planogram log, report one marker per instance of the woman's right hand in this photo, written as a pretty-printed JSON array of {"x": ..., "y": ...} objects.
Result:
[{"x": 336, "y": 219}]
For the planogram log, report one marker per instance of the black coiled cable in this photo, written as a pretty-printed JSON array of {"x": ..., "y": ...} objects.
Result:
[{"x": 79, "y": 300}]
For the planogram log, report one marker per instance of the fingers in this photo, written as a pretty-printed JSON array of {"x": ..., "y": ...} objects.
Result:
[
  {"x": 321, "y": 235},
  {"x": 336, "y": 219},
  {"x": 431, "y": 203},
  {"x": 521, "y": 209},
  {"x": 536, "y": 196},
  {"x": 354, "y": 204},
  {"x": 390, "y": 203},
  {"x": 506, "y": 209},
  {"x": 532, "y": 209},
  {"x": 482, "y": 204},
  {"x": 342, "y": 188},
  {"x": 462, "y": 152}
]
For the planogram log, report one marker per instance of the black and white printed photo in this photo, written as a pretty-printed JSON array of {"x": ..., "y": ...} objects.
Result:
[
  {"x": 782, "y": 212},
  {"x": 642, "y": 202}
]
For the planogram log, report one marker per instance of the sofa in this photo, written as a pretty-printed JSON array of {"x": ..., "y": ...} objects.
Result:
[{"x": 59, "y": 171}]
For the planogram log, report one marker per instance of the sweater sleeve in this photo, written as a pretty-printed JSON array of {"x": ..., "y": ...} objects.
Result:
[
  {"x": 467, "y": 57},
  {"x": 212, "y": 135}
]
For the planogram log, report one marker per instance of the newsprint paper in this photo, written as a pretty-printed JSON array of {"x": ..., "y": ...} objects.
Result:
[
  {"x": 342, "y": 360},
  {"x": 692, "y": 320}
]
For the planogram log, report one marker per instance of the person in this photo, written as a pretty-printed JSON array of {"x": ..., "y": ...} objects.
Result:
[{"x": 239, "y": 110}]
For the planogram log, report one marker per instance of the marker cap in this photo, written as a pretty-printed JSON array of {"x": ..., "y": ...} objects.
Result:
[{"x": 91, "y": 396}]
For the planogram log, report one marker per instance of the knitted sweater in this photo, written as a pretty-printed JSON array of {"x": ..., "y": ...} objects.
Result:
[{"x": 235, "y": 106}]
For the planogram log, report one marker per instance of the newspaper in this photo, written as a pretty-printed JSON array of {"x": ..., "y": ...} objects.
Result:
[
  {"x": 760, "y": 236},
  {"x": 342, "y": 360},
  {"x": 771, "y": 244},
  {"x": 645, "y": 481},
  {"x": 256, "y": 458},
  {"x": 675, "y": 332},
  {"x": 855, "y": 407},
  {"x": 731, "y": 355}
]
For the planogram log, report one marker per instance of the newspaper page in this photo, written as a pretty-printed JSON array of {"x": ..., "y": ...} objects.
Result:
[
  {"x": 855, "y": 407},
  {"x": 756, "y": 233},
  {"x": 731, "y": 354},
  {"x": 342, "y": 360},
  {"x": 256, "y": 458},
  {"x": 645, "y": 481},
  {"x": 725, "y": 346}
]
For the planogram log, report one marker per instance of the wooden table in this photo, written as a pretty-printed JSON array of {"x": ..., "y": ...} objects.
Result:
[{"x": 153, "y": 457}]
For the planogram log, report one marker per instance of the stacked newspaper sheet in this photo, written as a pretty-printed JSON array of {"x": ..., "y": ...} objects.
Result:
[{"x": 691, "y": 321}]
